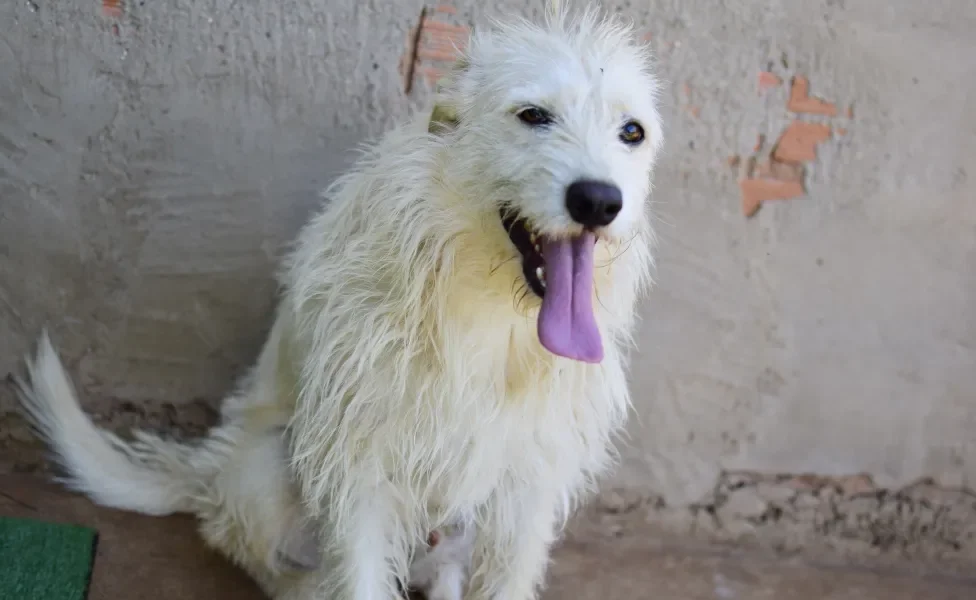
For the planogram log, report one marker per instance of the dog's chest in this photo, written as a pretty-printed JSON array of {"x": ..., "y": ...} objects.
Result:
[
  {"x": 531, "y": 433},
  {"x": 500, "y": 415}
]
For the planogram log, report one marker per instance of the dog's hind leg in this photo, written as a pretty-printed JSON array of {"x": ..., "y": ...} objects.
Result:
[{"x": 261, "y": 524}]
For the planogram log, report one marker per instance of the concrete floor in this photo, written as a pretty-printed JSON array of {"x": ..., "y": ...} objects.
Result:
[
  {"x": 805, "y": 380},
  {"x": 162, "y": 558}
]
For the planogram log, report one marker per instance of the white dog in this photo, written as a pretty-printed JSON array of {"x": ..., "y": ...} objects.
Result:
[{"x": 450, "y": 348}]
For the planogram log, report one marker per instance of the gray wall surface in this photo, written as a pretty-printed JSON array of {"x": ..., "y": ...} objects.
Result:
[{"x": 153, "y": 163}]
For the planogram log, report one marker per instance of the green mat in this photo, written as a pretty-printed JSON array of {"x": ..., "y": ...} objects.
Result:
[{"x": 45, "y": 561}]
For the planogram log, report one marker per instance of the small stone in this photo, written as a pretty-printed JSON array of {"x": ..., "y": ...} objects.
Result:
[
  {"x": 619, "y": 501},
  {"x": 773, "y": 492},
  {"x": 743, "y": 503},
  {"x": 805, "y": 482},
  {"x": 806, "y": 501},
  {"x": 852, "y": 485}
]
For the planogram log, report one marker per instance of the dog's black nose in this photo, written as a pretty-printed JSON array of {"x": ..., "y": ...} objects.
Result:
[{"x": 593, "y": 203}]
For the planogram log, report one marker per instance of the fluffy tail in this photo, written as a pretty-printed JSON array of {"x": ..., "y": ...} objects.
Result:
[{"x": 149, "y": 475}]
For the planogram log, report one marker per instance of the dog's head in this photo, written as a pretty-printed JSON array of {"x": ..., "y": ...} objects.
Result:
[{"x": 558, "y": 126}]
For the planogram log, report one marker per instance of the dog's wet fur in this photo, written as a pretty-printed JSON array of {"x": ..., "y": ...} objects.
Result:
[{"x": 414, "y": 381}]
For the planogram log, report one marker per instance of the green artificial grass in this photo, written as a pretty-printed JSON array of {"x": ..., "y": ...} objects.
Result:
[{"x": 45, "y": 561}]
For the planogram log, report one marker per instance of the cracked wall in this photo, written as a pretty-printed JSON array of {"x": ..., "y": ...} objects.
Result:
[{"x": 924, "y": 526}]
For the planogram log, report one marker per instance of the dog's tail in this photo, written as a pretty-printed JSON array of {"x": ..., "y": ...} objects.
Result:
[{"x": 149, "y": 475}]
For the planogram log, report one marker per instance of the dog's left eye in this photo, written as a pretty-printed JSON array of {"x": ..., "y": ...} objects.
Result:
[
  {"x": 632, "y": 133},
  {"x": 534, "y": 116}
]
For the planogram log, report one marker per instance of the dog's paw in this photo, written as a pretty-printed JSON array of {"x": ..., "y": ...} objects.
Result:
[{"x": 439, "y": 571}]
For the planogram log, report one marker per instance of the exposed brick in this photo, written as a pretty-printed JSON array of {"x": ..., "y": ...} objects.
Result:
[
  {"x": 113, "y": 8},
  {"x": 801, "y": 102},
  {"x": 773, "y": 169},
  {"x": 755, "y": 191},
  {"x": 768, "y": 80},
  {"x": 434, "y": 42},
  {"x": 760, "y": 140},
  {"x": 798, "y": 143}
]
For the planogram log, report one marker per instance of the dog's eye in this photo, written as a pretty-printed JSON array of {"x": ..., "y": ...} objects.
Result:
[
  {"x": 534, "y": 116},
  {"x": 632, "y": 133}
]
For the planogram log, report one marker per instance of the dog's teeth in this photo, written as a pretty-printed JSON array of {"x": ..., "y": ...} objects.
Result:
[
  {"x": 540, "y": 273},
  {"x": 538, "y": 249}
]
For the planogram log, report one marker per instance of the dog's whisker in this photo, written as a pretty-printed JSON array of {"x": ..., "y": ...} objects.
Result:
[
  {"x": 494, "y": 269},
  {"x": 660, "y": 219},
  {"x": 521, "y": 294},
  {"x": 621, "y": 250},
  {"x": 517, "y": 285},
  {"x": 600, "y": 301}
]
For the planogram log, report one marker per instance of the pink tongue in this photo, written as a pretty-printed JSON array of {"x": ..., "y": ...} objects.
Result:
[{"x": 567, "y": 326}]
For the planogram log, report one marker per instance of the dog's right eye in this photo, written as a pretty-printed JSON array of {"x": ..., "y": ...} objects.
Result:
[{"x": 534, "y": 116}]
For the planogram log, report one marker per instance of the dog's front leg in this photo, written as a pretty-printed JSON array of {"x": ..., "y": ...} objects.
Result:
[
  {"x": 512, "y": 548},
  {"x": 362, "y": 548}
]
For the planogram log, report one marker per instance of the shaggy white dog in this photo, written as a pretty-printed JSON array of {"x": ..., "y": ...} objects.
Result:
[{"x": 450, "y": 348}]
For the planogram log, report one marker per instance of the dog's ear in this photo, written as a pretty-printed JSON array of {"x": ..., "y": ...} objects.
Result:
[
  {"x": 554, "y": 9},
  {"x": 444, "y": 117}
]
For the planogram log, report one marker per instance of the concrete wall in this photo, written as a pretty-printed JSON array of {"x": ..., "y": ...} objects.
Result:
[{"x": 152, "y": 164}]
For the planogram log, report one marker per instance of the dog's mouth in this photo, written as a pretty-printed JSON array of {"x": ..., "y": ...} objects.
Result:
[
  {"x": 560, "y": 271},
  {"x": 529, "y": 245}
]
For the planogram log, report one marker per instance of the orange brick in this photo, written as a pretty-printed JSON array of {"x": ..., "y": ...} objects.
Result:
[
  {"x": 781, "y": 171},
  {"x": 768, "y": 80},
  {"x": 446, "y": 27},
  {"x": 798, "y": 143},
  {"x": 113, "y": 8},
  {"x": 755, "y": 191},
  {"x": 801, "y": 102},
  {"x": 760, "y": 140}
]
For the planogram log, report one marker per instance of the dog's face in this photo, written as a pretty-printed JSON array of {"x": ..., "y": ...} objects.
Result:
[{"x": 559, "y": 124}]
